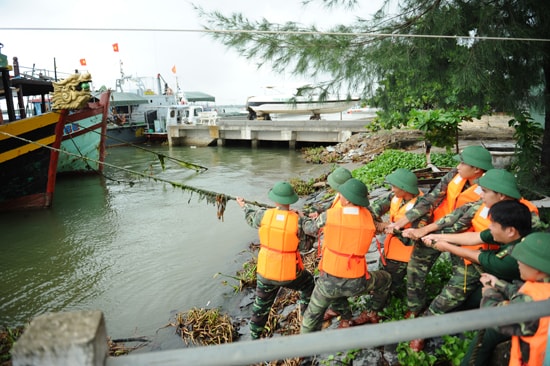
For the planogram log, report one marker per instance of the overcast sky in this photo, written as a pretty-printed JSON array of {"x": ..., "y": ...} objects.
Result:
[{"x": 201, "y": 63}]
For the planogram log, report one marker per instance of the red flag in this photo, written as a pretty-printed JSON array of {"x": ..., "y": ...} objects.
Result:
[
  {"x": 174, "y": 69},
  {"x": 83, "y": 61},
  {"x": 115, "y": 47}
]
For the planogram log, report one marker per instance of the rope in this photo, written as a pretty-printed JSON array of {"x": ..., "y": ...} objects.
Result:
[
  {"x": 161, "y": 157},
  {"x": 211, "y": 197}
]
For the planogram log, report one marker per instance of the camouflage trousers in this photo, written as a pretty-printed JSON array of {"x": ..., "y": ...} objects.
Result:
[
  {"x": 397, "y": 270},
  {"x": 266, "y": 293},
  {"x": 463, "y": 282},
  {"x": 330, "y": 289},
  {"x": 481, "y": 348},
  {"x": 420, "y": 264}
]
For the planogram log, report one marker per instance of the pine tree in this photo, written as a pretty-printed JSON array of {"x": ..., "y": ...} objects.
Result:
[{"x": 414, "y": 61}]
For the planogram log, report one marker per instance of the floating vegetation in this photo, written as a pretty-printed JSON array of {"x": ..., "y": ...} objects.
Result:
[
  {"x": 117, "y": 347},
  {"x": 203, "y": 327},
  {"x": 304, "y": 188},
  {"x": 8, "y": 336},
  {"x": 320, "y": 155},
  {"x": 246, "y": 276}
]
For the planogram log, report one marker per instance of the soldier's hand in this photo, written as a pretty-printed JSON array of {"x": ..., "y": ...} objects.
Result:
[
  {"x": 240, "y": 201},
  {"x": 487, "y": 280}
]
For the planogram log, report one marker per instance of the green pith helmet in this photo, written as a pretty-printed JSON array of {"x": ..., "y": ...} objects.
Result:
[
  {"x": 404, "y": 179},
  {"x": 338, "y": 177},
  {"x": 355, "y": 191},
  {"x": 477, "y": 156},
  {"x": 283, "y": 193},
  {"x": 500, "y": 181},
  {"x": 534, "y": 250}
]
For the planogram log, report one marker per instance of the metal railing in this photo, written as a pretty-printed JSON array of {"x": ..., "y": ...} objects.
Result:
[{"x": 250, "y": 352}]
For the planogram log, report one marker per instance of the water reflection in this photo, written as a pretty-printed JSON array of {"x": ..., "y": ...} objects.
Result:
[{"x": 137, "y": 252}]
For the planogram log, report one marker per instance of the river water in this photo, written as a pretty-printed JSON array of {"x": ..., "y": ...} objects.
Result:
[{"x": 140, "y": 251}]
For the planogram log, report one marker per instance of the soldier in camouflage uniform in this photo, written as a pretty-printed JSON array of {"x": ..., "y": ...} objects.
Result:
[
  {"x": 510, "y": 222},
  {"x": 455, "y": 190},
  {"x": 348, "y": 232},
  {"x": 339, "y": 176},
  {"x": 397, "y": 249},
  {"x": 462, "y": 289},
  {"x": 276, "y": 258},
  {"x": 530, "y": 338}
]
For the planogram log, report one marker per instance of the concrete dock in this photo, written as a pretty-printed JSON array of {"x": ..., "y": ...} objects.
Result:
[{"x": 256, "y": 131}]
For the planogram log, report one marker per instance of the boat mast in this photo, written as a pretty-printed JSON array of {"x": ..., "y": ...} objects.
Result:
[{"x": 120, "y": 81}]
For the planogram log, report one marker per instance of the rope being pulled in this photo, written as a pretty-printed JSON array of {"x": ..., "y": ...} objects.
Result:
[
  {"x": 160, "y": 156},
  {"x": 213, "y": 198}
]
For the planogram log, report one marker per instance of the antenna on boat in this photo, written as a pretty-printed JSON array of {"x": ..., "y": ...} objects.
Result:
[
  {"x": 121, "y": 80},
  {"x": 121, "y": 71}
]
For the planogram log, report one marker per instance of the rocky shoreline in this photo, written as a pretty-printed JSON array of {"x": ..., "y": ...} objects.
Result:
[{"x": 361, "y": 148}]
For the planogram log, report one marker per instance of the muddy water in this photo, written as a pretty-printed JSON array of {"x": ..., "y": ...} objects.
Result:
[{"x": 138, "y": 251}]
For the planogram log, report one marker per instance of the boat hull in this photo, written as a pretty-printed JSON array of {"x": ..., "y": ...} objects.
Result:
[
  {"x": 84, "y": 139},
  {"x": 300, "y": 107},
  {"x": 126, "y": 135},
  {"x": 28, "y": 161}
]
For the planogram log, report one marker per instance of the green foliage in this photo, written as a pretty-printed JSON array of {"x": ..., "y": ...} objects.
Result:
[
  {"x": 320, "y": 155},
  {"x": 374, "y": 173},
  {"x": 441, "y": 127},
  {"x": 454, "y": 349},
  {"x": 245, "y": 277},
  {"x": 395, "y": 309},
  {"x": 359, "y": 303},
  {"x": 8, "y": 336},
  {"x": 527, "y": 163},
  {"x": 407, "y": 357},
  {"x": 421, "y": 66},
  {"x": 438, "y": 277},
  {"x": 301, "y": 187},
  {"x": 341, "y": 358}
]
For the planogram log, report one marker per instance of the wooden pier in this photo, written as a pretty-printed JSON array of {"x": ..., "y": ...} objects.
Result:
[{"x": 255, "y": 131}]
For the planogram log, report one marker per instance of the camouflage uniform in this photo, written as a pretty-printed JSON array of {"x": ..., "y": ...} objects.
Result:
[
  {"x": 502, "y": 294},
  {"x": 397, "y": 269},
  {"x": 465, "y": 279},
  {"x": 333, "y": 291},
  {"x": 461, "y": 219},
  {"x": 266, "y": 290},
  {"x": 425, "y": 204},
  {"x": 329, "y": 289},
  {"x": 422, "y": 257}
]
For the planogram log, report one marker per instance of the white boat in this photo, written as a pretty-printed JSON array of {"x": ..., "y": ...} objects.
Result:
[
  {"x": 261, "y": 107},
  {"x": 358, "y": 110},
  {"x": 180, "y": 114},
  {"x": 139, "y": 114}
]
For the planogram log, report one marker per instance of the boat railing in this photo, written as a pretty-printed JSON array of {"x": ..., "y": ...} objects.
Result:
[{"x": 41, "y": 74}]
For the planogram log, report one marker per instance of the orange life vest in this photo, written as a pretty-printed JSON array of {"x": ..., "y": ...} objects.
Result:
[
  {"x": 456, "y": 196},
  {"x": 530, "y": 205},
  {"x": 348, "y": 233},
  {"x": 537, "y": 342},
  {"x": 394, "y": 248},
  {"x": 279, "y": 255},
  {"x": 480, "y": 222}
]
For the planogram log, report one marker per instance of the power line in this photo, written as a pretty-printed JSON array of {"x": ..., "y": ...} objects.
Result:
[{"x": 237, "y": 31}]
